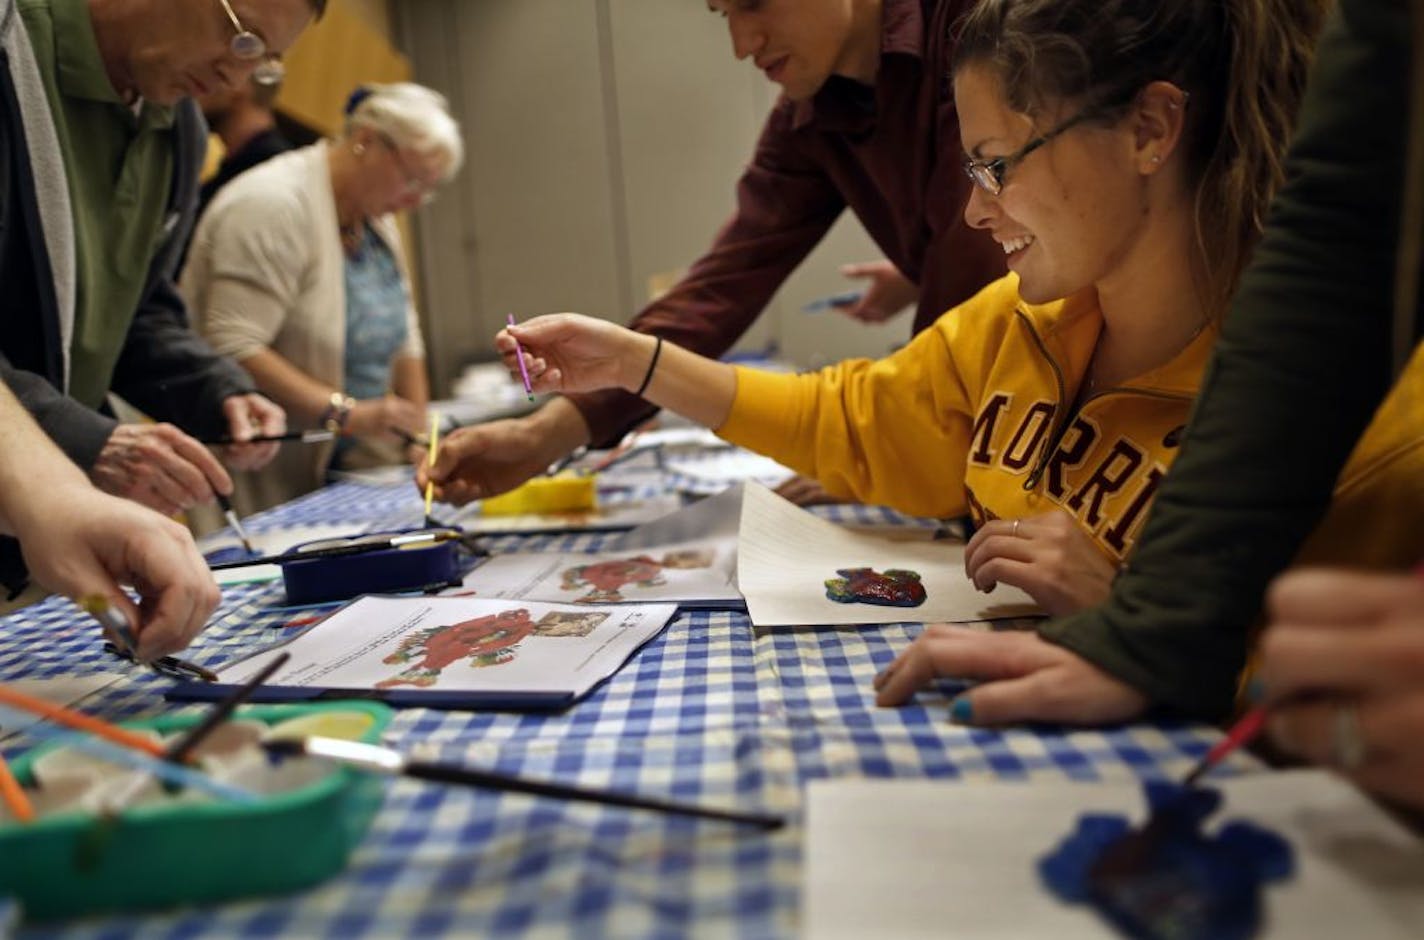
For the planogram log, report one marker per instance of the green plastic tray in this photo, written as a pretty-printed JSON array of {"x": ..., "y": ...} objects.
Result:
[{"x": 159, "y": 856}]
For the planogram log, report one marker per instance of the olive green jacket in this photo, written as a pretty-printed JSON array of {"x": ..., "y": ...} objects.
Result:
[{"x": 1306, "y": 356}]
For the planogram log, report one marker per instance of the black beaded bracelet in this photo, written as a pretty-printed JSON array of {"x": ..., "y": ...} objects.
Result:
[{"x": 657, "y": 351}]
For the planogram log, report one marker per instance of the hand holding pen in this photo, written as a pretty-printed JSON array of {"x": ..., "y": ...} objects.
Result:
[
  {"x": 886, "y": 292},
  {"x": 91, "y": 544},
  {"x": 567, "y": 352}
]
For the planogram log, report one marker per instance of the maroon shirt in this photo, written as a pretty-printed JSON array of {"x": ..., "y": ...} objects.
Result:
[{"x": 891, "y": 153}]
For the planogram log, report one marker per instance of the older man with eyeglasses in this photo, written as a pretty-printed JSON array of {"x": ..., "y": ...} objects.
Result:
[{"x": 100, "y": 149}]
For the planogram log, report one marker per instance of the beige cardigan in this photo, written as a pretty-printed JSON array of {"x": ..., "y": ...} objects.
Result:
[{"x": 266, "y": 270}]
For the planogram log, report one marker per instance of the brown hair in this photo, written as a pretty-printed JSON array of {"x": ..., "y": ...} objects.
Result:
[{"x": 1243, "y": 63}]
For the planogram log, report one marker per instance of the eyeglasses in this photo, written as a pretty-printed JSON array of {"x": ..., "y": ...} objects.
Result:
[
  {"x": 247, "y": 46},
  {"x": 415, "y": 184},
  {"x": 988, "y": 175}
]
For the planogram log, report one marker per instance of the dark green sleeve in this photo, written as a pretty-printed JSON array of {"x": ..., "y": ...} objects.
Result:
[{"x": 1302, "y": 364}]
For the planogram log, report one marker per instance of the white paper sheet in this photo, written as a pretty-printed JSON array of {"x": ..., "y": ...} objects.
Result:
[
  {"x": 710, "y": 471},
  {"x": 460, "y": 644},
  {"x": 688, "y": 558},
  {"x": 693, "y": 574},
  {"x": 691, "y": 438},
  {"x": 786, "y": 554},
  {"x": 920, "y": 858},
  {"x": 715, "y": 517}
]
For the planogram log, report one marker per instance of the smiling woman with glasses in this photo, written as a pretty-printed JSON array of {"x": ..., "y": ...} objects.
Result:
[
  {"x": 1047, "y": 407},
  {"x": 331, "y": 333}
]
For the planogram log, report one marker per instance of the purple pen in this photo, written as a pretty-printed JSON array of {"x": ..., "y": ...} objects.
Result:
[{"x": 519, "y": 354}]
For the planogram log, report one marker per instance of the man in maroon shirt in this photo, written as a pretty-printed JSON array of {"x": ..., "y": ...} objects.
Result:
[{"x": 866, "y": 121}]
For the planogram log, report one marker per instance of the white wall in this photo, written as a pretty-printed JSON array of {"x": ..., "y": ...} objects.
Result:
[{"x": 605, "y": 138}]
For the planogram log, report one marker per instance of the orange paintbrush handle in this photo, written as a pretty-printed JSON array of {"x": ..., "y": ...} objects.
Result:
[
  {"x": 14, "y": 797},
  {"x": 79, "y": 721}
]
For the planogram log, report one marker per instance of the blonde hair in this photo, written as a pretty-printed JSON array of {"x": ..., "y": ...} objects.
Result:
[
  {"x": 413, "y": 117},
  {"x": 1243, "y": 63}
]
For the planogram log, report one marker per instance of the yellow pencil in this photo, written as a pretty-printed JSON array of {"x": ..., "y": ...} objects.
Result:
[{"x": 430, "y": 463}]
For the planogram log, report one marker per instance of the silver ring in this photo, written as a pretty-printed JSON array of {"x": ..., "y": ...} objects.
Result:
[
  {"x": 1015, "y": 530},
  {"x": 1347, "y": 746}
]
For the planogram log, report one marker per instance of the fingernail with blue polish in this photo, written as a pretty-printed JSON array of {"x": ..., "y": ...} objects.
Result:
[
  {"x": 1255, "y": 691},
  {"x": 961, "y": 711}
]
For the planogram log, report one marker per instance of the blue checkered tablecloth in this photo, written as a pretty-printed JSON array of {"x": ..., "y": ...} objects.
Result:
[{"x": 709, "y": 711}]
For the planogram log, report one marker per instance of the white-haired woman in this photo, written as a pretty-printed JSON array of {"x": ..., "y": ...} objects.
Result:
[{"x": 296, "y": 271}]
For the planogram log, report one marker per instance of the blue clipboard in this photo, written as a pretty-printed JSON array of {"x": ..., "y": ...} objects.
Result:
[{"x": 189, "y": 691}]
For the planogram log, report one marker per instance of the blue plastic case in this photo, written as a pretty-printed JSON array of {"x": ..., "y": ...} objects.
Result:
[{"x": 314, "y": 580}]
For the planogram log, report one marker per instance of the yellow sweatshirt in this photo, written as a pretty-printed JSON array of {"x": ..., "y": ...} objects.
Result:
[{"x": 976, "y": 415}]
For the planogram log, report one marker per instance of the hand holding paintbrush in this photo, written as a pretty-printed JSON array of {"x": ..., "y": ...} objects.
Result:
[
  {"x": 1341, "y": 684},
  {"x": 125, "y": 645},
  {"x": 1342, "y": 676},
  {"x": 1342, "y": 647}
]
